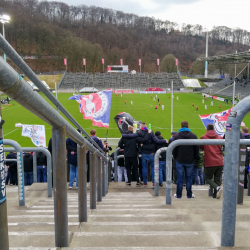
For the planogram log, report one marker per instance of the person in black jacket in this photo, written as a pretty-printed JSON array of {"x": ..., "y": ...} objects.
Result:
[
  {"x": 147, "y": 154},
  {"x": 131, "y": 155},
  {"x": 245, "y": 132},
  {"x": 71, "y": 147},
  {"x": 41, "y": 167},
  {"x": 185, "y": 156},
  {"x": 28, "y": 168},
  {"x": 12, "y": 168}
]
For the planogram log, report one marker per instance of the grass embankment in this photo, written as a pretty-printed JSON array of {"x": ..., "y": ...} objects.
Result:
[{"x": 49, "y": 79}]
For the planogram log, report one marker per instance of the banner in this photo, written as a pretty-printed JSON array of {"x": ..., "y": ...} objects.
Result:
[
  {"x": 219, "y": 120},
  {"x": 2, "y": 175},
  {"x": 65, "y": 61},
  {"x": 84, "y": 61},
  {"x": 95, "y": 107},
  {"x": 214, "y": 97},
  {"x": 36, "y": 133},
  {"x": 139, "y": 62},
  {"x": 121, "y": 61},
  {"x": 158, "y": 62},
  {"x": 176, "y": 61},
  {"x": 102, "y": 60}
]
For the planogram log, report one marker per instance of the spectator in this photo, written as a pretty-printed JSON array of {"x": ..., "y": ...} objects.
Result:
[
  {"x": 28, "y": 168},
  {"x": 173, "y": 133},
  {"x": 147, "y": 154},
  {"x": 213, "y": 160},
  {"x": 199, "y": 169},
  {"x": 12, "y": 168},
  {"x": 131, "y": 155},
  {"x": 71, "y": 147},
  {"x": 106, "y": 147},
  {"x": 41, "y": 167},
  {"x": 96, "y": 139},
  {"x": 122, "y": 172},
  {"x": 185, "y": 157},
  {"x": 162, "y": 159},
  {"x": 245, "y": 132}
]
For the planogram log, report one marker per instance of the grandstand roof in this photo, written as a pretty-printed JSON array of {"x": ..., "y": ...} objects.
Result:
[{"x": 236, "y": 58}]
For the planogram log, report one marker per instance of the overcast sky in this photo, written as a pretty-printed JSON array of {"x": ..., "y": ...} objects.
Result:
[{"x": 208, "y": 13}]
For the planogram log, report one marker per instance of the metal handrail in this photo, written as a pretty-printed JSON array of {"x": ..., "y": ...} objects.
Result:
[
  {"x": 48, "y": 156},
  {"x": 20, "y": 63}
]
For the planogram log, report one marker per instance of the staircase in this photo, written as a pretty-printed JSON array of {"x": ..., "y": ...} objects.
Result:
[{"x": 127, "y": 218}]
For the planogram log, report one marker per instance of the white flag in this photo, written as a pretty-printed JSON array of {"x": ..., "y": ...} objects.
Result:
[{"x": 36, "y": 134}]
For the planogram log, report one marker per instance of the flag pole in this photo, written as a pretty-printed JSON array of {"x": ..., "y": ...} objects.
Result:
[
  {"x": 172, "y": 106},
  {"x": 107, "y": 135}
]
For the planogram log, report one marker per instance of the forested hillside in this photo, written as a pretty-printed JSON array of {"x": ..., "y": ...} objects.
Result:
[{"x": 54, "y": 29}]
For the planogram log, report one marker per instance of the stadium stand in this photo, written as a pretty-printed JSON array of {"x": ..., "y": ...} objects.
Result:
[
  {"x": 225, "y": 88},
  {"x": 120, "y": 81}
]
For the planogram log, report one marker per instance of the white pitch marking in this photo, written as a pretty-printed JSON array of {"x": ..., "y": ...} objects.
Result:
[{"x": 10, "y": 132}]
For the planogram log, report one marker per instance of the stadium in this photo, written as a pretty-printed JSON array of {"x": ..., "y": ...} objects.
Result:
[{"x": 123, "y": 159}]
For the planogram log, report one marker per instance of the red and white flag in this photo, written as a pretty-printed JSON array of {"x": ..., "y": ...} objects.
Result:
[
  {"x": 121, "y": 61},
  {"x": 65, "y": 61},
  {"x": 139, "y": 62},
  {"x": 176, "y": 61},
  {"x": 158, "y": 62},
  {"x": 102, "y": 60},
  {"x": 84, "y": 61}
]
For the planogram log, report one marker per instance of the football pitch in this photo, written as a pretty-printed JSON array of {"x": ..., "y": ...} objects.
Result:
[{"x": 143, "y": 109}]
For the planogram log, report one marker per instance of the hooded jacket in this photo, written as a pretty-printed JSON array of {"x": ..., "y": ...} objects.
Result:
[
  {"x": 28, "y": 162},
  {"x": 213, "y": 153}
]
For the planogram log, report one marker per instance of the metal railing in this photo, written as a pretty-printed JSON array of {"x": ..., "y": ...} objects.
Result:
[
  {"x": 20, "y": 63},
  {"x": 48, "y": 156},
  {"x": 12, "y": 84}
]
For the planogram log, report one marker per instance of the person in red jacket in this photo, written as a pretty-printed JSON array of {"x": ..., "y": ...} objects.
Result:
[
  {"x": 213, "y": 161},
  {"x": 156, "y": 107}
]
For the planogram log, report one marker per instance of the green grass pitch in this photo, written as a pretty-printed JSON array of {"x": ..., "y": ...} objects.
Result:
[{"x": 143, "y": 109}]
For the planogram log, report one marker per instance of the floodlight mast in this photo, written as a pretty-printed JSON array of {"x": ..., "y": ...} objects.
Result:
[
  {"x": 206, "y": 53},
  {"x": 4, "y": 19}
]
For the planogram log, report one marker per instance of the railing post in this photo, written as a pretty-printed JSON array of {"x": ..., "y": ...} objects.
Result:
[
  {"x": 60, "y": 187},
  {"x": 34, "y": 168},
  {"x": 103, "y": 177},
  {"x": 4, "y": 237},
  {"x": 92, "y": 158},
  {"x": 106, "y": 177},
  {"x": 99, "y": 179},
  {"x": 115, "y": 163},
  {"x": 82, "y": 183},
  {"x": 241, "y": 174},
  {"x": 247, "y": 176}
]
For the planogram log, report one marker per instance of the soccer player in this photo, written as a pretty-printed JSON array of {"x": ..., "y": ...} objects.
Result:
[
  {"x": 205, "y": 107},
  {"x": 155, "y": 107},
  {"x": 131, "y": 102},
  {"x": 205, "y": 98},
  {"x": 212, "y": 104},
  {"x": 116, "y": 94},
  {"x": 159, "y": 103},
  {"x": 192, "y": 105},
  {"x": 156, "y": 96},
  {"x": 153, "y": 99},
  {"x": 219, "y": 107},
  {"x": 151, "y": 96},
  {"x": 177, "y": 98},
  {"x": 197, "y": 108},
  {"x": 125, "y": 102},
  {"x": 203, "y": 101},
  {"x": 169, "y": 97},
  {"x": 162, "y": 107}
]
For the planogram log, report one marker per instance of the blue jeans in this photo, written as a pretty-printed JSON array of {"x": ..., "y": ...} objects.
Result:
[
  {"x": 199, "y": 173},
  {"x": 73, "y": 173},
  {"x": 28, "y": 178},
  {"x": 144, "y": 159},
  {"x": 188, "y": 169},
  {"x": 162, "y": 171},
  {"x": 41, "y": 173}
]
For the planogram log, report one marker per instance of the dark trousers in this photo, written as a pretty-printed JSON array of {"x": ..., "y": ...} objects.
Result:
[
  {"x": 213, "y": 176},
  {"x": 131, "y": 163},
  {"x": 13, "y": 178}
]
